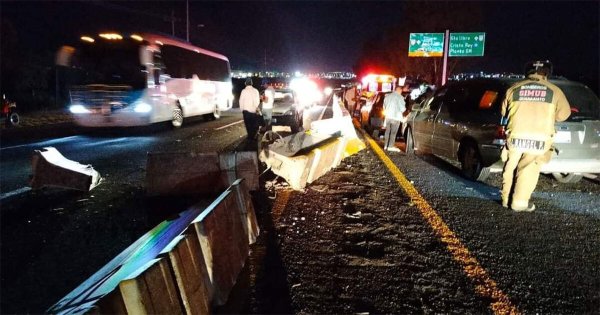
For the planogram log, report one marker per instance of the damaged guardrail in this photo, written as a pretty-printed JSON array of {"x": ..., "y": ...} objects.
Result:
[
  {"x": 50, "y": 168},
  {"x": 181, "y": 173},
  {"x": 187, "y": 264},
  {"x": 303, "y": 157}
]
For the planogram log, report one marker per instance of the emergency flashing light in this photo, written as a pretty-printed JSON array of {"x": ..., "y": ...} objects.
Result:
[
  {"x": 87, "y": 39},
  {"x": 111, "y": 36},
  {"x": 137, "y": 37}
]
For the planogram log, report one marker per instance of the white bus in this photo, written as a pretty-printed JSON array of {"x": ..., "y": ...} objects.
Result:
[{"x": 140, "y": 79}]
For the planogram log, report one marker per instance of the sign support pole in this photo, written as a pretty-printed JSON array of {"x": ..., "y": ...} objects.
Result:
[{"x": 446, "y": 52}]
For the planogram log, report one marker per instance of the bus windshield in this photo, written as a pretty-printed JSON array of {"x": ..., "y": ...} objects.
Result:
[{"x": 109, "y": 63}]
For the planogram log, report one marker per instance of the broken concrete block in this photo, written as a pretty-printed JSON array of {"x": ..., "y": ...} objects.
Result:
[
  {"x": 189, "y": 173},
  {"x": 50, "y": 168}
]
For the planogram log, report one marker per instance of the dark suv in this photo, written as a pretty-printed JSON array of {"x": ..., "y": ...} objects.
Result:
[{"x": 461, "y": 123}]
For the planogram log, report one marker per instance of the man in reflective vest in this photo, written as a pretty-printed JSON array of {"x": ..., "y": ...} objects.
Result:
[{"x": 530, "y": 109}]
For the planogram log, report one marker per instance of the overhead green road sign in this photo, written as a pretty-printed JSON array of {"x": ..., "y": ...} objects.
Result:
[
  {"x": 467, "y": 44},
  {"x": 426, "y": 45}
]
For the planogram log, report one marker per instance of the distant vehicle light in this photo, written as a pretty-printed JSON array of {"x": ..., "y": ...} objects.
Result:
[
  {"x": 142, "y": 108},
  {"x": 78, "y": 109},
  {"x": 307, "y": 90},
  {"x": 111, "y": 36},
  {"x": 328, "y": 90},
  {"x": 137, "y": 37},
  {"x": 87, "y": 39}
]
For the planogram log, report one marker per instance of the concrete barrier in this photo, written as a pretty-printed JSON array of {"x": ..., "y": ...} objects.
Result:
[
  {"x": 186, "y": 173},
  {"x": 299, "y": 170},
  {"x": 187, "y": 264},
  {"x": 224, "y": 245},
  {"x": 50, "y": 168},
  {"x": 191, "y": 275}
]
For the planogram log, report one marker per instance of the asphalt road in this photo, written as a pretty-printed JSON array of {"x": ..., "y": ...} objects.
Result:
[{"x": 53, "y": 239}]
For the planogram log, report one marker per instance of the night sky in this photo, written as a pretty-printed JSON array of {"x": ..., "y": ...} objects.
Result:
[{"x": 323, "y": 35}]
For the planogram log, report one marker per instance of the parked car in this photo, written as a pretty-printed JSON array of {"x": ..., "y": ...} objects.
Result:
[
  {"x": 372, "y": 116},
  {"x": 287, "y": 111},
  {"x": 461, "y": 123}
]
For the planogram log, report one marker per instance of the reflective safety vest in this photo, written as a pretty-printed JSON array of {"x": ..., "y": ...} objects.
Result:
[{"x": 532, "y": 107}]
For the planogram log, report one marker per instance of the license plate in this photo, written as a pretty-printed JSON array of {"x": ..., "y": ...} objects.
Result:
[
  {"x": 527, "y": 144},
  {"x": 562, "y": 137}
]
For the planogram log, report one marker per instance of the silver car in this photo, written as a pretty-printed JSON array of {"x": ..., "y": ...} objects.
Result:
[{"x": 461, "y": 124}]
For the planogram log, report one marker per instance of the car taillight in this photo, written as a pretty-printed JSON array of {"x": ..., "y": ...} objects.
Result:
[{"x": 500, "y": 137}]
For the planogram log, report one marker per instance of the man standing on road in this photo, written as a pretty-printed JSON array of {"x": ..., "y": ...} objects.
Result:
[
  {"x": 394, "y": 107},
  {"x": 531, "y": 108},
  {"x": 267, "y": 104},
  {"x": 249, "y": 101},
  {"x": 350, "y": 98}
]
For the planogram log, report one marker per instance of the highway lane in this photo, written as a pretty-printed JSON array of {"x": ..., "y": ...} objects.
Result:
[
  {"x": 53, "y": 239},
  {"x": 112, "y": 153}
]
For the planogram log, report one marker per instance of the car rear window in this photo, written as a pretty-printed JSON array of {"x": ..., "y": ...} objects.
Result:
[{"x": 585, "y": 105}]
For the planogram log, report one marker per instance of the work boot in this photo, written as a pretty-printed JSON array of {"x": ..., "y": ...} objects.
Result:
[{"x": 522, "y": 206}]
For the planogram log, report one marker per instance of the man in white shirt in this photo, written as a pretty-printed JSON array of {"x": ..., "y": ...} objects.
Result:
[
  {"x": 267, "y": 104},
  {"x": 249, "y": 101},
  {"x": 394, "y": 106}
]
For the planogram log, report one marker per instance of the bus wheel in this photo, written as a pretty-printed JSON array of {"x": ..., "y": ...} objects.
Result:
[
  {"x": 217, "y": 112},
  {"x": 177, "y": 119}
]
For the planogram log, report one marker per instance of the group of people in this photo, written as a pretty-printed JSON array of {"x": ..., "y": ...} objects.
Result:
[
  {"x": 528, "y": 123},
  {"x": 257, "y": 110}
]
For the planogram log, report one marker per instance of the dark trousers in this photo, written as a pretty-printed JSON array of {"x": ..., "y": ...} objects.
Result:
[{"x": 252, "y": 122}]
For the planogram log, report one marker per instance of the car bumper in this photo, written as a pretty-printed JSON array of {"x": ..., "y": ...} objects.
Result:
[
  {"x": 557, "y": 165},
  {"x": 283, "y": 120}
]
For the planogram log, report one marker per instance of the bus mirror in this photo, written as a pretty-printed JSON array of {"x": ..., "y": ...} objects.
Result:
[{"x": 64, "y": 56}]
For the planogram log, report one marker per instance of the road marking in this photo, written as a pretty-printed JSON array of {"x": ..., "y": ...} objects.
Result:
[
  {"x": 15, "y": 192},
  {"x": 485, "y": 286},
  {"x": 233, "y": 123},
  {"x": 41, "y": 143}
]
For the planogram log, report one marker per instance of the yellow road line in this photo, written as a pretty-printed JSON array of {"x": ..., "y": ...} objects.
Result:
[{"x": 484, "y": 285}]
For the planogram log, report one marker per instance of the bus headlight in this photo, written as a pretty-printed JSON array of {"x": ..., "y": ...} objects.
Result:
[
  {"x": 142, "y": 108},
  {"x": 78, "y": 109}
]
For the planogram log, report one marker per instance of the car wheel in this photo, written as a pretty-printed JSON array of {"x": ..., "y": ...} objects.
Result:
[
  {"x": 567, "y": 178},
  {"x": 13, "y": 119},
  {"x": 296, "y": 124},
  {"x": 471, "y": 164},
  {"x": 177, "y": 119},
  {"x": 410, "y": 142}
]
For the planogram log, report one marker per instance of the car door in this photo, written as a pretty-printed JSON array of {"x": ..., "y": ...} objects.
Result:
[
  {"x": 424, "y": 121},
  {"x": 450, "y": 121}
]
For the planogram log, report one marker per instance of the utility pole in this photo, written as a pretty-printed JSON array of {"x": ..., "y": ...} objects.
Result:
[
  {"x": 187, "y": 19},
  {"x": 446, "y": 52}
]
